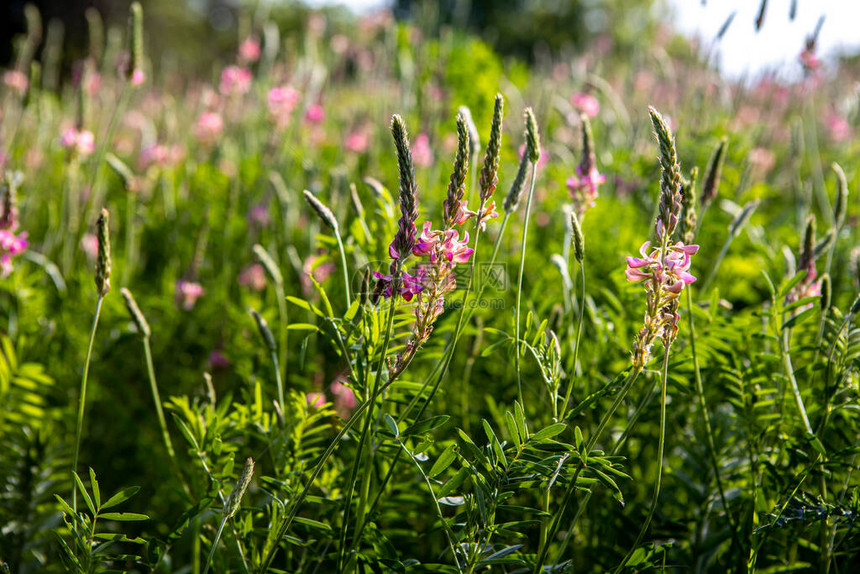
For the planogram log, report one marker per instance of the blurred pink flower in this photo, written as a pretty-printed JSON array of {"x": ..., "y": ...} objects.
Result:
[
  {"x": 249, "y": 50},
  {"x": 259, "y": 215},
  {"x": 762, "y": 160},
  {"x": 235, "y": 81},
  {"x": 839, "y": 128},
  {"x": 81, "y": 142},
  {"x": 544, "y": 156},
  {"x": 358, "y": 142},
  {"x": 155, "y": 154},
  {"x": 11, "y": 245},
  {"x": 282, "y": 101},
  {"x": 90, "y": 246},
  {"x": 315, "y": 114},
  {"x": 208, "y": 128},
  {"x": 315, "y": 399},
  {"x": 187, "y": 293},
  {"x": 16, "y": 81},
  {"x": 809, "y": 60},
  {"x": 138, "y": 77},
  {"x": 586, "y": 103},
  {"x": 320, "y": 273},
  {"x": 219, "y": 360},
  {"x": 92, "y": 82},
  {"x": 422, "y": 154},
  {"x": 253, "y": 276},
  {"x": 344, "y": 399}
]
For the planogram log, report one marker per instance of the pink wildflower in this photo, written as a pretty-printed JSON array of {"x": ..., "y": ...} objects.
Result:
[
  {"x": 315, "y": 114},
  {"x": 839, "y": 128},
  {"x": 81, "y": 142},
  {"x": 282, "y": 101},
  {"x": 585, "y": 103},
  {"x": 809, "y": 60},
  {"x": 155, "y": 154},
  {"x": 16, "y": 81},
  {"x": 235, "y": 81},
  {"x": 208, "y": 128},
  {"x": 315, "y": 399},
  {"x": 90, "y": 246},
  {"x": 187, "y": 293},
  {"x": 422, "y": 154},
  {"x": 253, "y": 276},
  {"x": 138, "y": 77},
  {"x": 249, "y": 50},
  {"x": 259, "y": 216},
  {"x": 583, "y": 188},
  {"x": 11, "y": 245},
  {"x": 219, "y": 360},
  {"x": 344, "y": 399},
  {"x": 357, "y": 142}
]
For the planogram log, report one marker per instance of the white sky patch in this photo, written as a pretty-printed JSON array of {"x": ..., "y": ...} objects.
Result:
[{"x": 777, "y": 45}]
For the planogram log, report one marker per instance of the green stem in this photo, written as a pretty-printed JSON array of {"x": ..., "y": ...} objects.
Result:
[
  {"x": 706, "y": 417},
  {"x": 520, "y": 282},
  {"x": 165, "y": 435},
  {"x": 577, "y": 340},
  {"x": 83, "y": 399},
  {"x": 215, "y": 544},
  {"x": 345, "y": 271},
  {"x": 660, "y": 447},
  {"x": 571, "y": 489},
  {"x": 368, "y": 419},
  {"x": 279, "y": 382},
  {"x": 717, "y": 263}
]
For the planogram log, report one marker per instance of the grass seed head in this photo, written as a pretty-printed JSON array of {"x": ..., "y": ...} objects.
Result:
[
  {"x": 713, "y": 173},
  {"x": 321, "y": 210},
  {"x": 489, "y": 179},
  {"x": 235, "y": 499},
  {"x": 578, "y": 237},
  {"x": 265, "y": 331},
  {"x": 136, "y": 314},
  {"x": 103, "y": 262}
]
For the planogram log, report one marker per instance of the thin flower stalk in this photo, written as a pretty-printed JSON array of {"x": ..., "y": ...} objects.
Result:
[
  {"x": 584, "y": 185},
  {"x": 102, "y": 279},
  {"x": 533, "y": 150}
]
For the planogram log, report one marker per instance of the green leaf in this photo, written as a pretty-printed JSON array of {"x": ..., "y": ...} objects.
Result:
[
  {"x": 494, "y": 442},
  {"x": 511, "y": 426},
  {"x": 186, "y": 432},
  {"x": 305, "y": 305},
  {"x": 124, "y": 516},
  {"x": 520, "y": 419},
  {"x": 120, "y": 497},
  {"x": 805, "y": 314},
  {"x": 302, "y": 327},
  {"x": 549, "y": 432},
  {"x": 577, "y": 438},
  {"x": 391, "y": 424},
  {"x": 801, "y": 303},
  {"x": 798, "y": 277},
  {"x": 448, "y": 456},
  {"x": 456, "y": 482},
  {"x": 84, "y": 493},
  {"x": 97, "y": 495},
  {"x": 426, "y": 425}
]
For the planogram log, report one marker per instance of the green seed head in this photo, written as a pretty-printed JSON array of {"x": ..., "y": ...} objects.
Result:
[
  {"x": 103, "y": 262},
  {"x": 578, "y": 237},
  {"x": 321, "y": 210},
  {"x": 136, "y": 314},
  {"x": 235, "y": 499}
]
